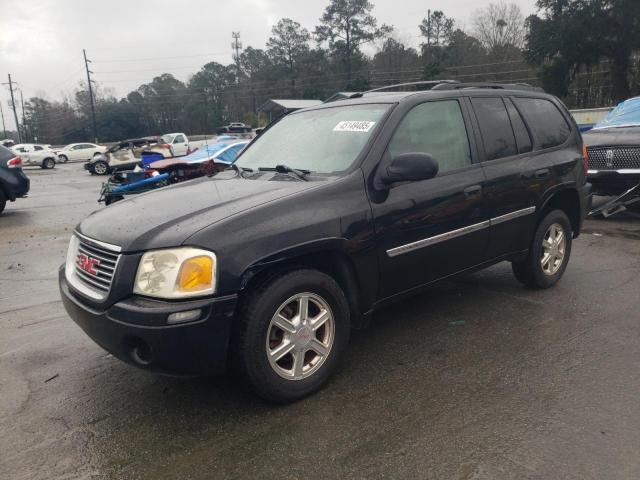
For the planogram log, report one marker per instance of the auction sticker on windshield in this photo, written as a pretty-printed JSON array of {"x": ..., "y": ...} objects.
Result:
[{"x": 353, "y": 126}]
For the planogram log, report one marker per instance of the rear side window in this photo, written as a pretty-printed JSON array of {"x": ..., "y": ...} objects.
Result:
[
  {"x": 548, "y": 125},
  {"x": 522, "y": 134},
  {"x": 495, "y": 127},
  {"x": 436, "y": 128}
]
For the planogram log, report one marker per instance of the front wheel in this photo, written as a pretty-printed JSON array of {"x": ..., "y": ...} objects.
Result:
[
  {"x": 100, "y": 167},
  {"x": 48, "y": 163},
  {"x": 290, "y": 334},
  {"x": 549, "y": 252}
]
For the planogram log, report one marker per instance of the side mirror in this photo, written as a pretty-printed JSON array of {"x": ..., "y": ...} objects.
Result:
[{"x": 409, "y": 167}]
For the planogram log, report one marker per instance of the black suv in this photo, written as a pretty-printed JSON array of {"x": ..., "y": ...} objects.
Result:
[
  {"x": 331, "y": 213},
  {"x": 13, "y": 182}
]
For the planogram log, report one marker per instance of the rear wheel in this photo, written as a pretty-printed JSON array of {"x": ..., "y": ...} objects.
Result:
[
  {"x": 48, "y": 163},
  {"x": 291, "y": 333},
  {"x": 63, "y": 158},
  {"x": 100, "y": 167},
  {"x": 3, "y": 201},
  {"x": 549, "y": 252}
]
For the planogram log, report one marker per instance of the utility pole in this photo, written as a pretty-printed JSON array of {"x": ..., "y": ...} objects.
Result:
[
  {"x": 24, "y": 123},
  {"x": 236, "y": 45},
  {"x": 13, "y": 105},
  {"x": 93, "y": 109},
  {"x": 4, "y": 129}
]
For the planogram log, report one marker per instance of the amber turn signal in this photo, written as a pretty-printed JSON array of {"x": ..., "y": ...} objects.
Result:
[{"x": 196, "y": 274}]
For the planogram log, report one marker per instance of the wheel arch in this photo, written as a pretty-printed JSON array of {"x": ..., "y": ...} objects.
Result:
[
  {"x": 327, "y": 256},
  {"x": 566, "y": 199}
]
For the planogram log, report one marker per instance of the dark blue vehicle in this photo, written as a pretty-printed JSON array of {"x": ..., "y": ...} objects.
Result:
[{"x": 13, "y": 182}]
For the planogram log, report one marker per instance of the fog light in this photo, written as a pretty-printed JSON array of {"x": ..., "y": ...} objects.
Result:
[{"x": 187, "y": 316}]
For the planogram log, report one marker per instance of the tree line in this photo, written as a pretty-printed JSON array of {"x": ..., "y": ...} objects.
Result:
[{"x": 584, "y": 51}]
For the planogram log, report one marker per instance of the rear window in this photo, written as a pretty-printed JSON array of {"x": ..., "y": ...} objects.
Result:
[
  {"x": 5, "y": 154},
  {"x": 548, "y": 125},
  {"x": 495, "y": 127}
]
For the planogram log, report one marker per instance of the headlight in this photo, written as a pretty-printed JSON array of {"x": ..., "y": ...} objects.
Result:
[{"x": 176, "y": 273}]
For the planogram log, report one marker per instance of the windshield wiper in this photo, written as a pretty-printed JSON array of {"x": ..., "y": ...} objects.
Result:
[{"x": 297, "y": 172}]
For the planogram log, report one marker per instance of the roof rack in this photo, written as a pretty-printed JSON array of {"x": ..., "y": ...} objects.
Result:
[
  {"x": 488, "y": 85},
  {"x": 426, "y": 83}
]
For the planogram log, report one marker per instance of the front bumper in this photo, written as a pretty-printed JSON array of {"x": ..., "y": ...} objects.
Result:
[
  {"x": 613, "y": 182},
  {"x": 135, "y": 331}
]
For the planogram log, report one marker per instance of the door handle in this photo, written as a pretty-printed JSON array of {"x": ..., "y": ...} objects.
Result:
[
  {"x": 545, "y": 172},
  {"x": 473, "y": 190}
]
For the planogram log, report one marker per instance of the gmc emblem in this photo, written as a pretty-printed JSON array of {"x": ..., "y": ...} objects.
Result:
[{"x": 87, "y": 264}]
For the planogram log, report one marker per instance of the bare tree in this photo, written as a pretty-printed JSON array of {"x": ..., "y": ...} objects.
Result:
[{"x": 500, "y": 25}]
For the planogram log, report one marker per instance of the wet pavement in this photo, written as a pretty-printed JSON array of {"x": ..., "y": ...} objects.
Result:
[{"x": 474, "y": 379}]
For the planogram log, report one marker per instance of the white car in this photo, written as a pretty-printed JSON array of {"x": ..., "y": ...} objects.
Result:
[
  {"x": 80, "y": 152},
  {"x": 178, "y": 142},
  {"x": 35, "y": 154}
]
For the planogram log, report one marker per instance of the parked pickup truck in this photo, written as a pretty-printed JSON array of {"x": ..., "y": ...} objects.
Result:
[
  {"x": 331, "y": 214},
  {"x": 234, "y": 127}
]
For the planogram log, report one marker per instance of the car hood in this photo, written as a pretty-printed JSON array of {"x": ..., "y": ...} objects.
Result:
[
  {"x": 169, "y": 216},
  {"x": 605, "y": 137}
]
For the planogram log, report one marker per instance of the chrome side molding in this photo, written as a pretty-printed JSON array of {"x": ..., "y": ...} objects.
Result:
[{"x": 443, "y": 237}]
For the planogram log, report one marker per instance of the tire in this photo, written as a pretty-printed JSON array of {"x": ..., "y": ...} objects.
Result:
[
  {"x": 533, "y": 271},
  {"x": 256, "y": 335},
  {"x": 63, "y": 158},
  {"x": 48, "y": 163},
  {"x": 100, "y": 167},
  {"x": 3, "y": 201}
]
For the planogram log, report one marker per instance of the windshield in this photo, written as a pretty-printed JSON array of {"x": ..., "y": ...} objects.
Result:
[
  {"x": 168, "y": 138},
  {"x": 326, "y": 140}
]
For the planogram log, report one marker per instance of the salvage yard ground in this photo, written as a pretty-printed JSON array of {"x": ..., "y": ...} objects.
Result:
[{"x": 477, "y": 378}]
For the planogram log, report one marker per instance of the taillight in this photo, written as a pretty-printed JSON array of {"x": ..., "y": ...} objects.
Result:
[
  {"x": 15, "y": 162},
  {"x": 585, "y": 158}
]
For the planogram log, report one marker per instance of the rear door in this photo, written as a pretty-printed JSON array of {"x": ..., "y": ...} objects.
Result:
[
  {"x": 429, "y": 229},
  {"x": 506, "y": 160}
]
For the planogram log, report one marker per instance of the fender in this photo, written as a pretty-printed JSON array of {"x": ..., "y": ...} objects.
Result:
[{"x": 333, "y": 256}]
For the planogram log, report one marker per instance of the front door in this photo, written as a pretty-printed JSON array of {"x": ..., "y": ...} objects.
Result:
[
  {"x": 179, "y": 146},
  {"x": 433, "y": 228}
]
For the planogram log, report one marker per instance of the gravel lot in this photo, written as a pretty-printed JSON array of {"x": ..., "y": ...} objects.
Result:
[{"x": 475, "y": 379}]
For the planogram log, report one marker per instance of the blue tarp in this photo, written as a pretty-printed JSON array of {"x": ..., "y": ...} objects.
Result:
[
  {"x": 204, "y": 153},
  {"x": 625, "y": 114}
]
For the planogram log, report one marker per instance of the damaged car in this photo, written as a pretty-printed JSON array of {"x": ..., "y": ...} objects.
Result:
[
  {"x": 125, "y": 155},
  {"x": 613, "y": 149}
]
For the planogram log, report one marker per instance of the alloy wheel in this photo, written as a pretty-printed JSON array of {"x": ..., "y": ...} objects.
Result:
[
  {"x": 100, "y": 168},
  {"x": 300, "y": 336},
  {"x": 554, "y": 245}
]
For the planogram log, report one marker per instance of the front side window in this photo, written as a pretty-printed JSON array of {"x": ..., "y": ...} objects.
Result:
[
  {"x": 436, "y": 128},
  {"x": 549, "y": 126},
  {"x": 495, "y": 127},
  {"x": 325, "y": 140},
  {"x": 179, "y": 139}
]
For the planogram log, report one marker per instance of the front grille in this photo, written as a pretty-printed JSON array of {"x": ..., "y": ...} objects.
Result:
[
  {"x": 102, "y": 266},
  {"x": 613, "y": 158}
]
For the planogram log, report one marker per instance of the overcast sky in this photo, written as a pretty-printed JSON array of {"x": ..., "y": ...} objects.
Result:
[{"x": 131, "y": 41}]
